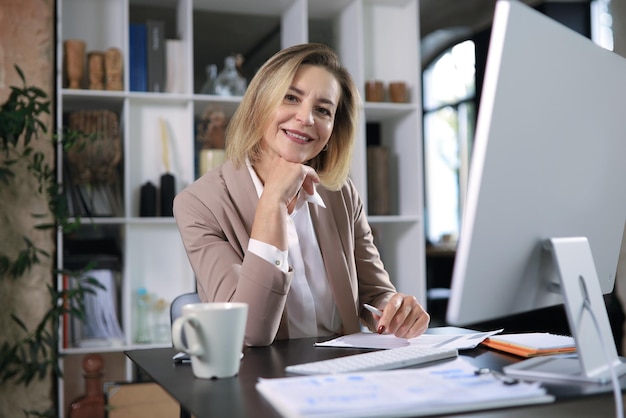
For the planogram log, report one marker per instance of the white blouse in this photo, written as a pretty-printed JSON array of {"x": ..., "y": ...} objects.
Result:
[{"x": 310, "y": 303}]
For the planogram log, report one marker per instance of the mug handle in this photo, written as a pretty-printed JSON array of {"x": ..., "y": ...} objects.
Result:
[{"x": 177, "y": 334}]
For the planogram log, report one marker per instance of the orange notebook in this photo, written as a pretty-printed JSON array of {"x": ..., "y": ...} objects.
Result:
[{"x": 531, "y": 344}]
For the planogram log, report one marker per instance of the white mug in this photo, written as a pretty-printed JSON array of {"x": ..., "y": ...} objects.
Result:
[{"x": 214, "y": 334}]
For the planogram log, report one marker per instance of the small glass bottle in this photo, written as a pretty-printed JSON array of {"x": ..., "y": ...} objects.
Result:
[
  {"x": 162, "y": 328},
  {"x": 142, "y": 300},
  {"x": 228, "y": 81}
]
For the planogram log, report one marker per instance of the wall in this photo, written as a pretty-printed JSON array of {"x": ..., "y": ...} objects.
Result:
[{"x": 26, "y": 39}]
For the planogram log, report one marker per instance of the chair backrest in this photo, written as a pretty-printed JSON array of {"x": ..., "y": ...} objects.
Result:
[
  {"x": 176, "y": 310},
  {"x": 176, "y": 307}
]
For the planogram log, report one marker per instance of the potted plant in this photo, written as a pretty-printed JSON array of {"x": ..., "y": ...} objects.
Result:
[{"x": 33, "y": 352}]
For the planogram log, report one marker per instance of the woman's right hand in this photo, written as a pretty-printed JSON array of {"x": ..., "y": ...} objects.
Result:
[
  {"x": 281, "y": 187},
  {"x": 286, "y": 179}
]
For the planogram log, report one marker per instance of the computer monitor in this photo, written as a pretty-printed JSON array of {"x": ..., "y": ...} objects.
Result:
[{"x": 546, "y": 200}]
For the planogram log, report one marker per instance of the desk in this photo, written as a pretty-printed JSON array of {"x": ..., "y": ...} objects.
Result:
[{"x": 237, "y": 397}]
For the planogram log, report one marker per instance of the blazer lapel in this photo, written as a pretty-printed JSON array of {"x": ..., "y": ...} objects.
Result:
[
  {"x": 330, "y": 235},
  {"x": 242, "y": 191}
]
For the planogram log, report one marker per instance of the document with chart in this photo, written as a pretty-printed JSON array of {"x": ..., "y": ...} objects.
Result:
[{"x": 451, "y": 387}]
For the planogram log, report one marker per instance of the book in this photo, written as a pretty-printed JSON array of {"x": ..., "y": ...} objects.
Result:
[
  {"x": 450, "y": 387},
  {"x": 378, "y": 187},
  {"x": 138, "y": 399},
  {"x": 66, "y": 312},
  {"x": 137, "y": 59},
  {"x": 156, "y": 55},
  {"x": 175, "y": 79},
  {"x": 531, "y": 344}
]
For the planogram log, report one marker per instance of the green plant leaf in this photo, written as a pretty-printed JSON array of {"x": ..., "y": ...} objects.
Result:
[{"x": 19, "y": 322}]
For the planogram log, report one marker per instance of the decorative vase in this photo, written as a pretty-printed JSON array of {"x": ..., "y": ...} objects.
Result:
[
  {"x": 74, "y": 52},
  {"x": 113, "y": 67},
  {"x": 95, "y": 61}
]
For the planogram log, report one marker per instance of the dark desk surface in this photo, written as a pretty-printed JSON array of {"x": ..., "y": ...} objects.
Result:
[{"x": 238, "y": 397}]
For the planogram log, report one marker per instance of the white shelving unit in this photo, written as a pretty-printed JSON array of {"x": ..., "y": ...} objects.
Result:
[{"x": 376, "y": 39}]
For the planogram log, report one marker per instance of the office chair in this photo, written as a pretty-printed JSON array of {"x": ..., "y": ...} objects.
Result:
[
  {"x": 176, "y": 307},
  {"x": 176, "y": 310}
]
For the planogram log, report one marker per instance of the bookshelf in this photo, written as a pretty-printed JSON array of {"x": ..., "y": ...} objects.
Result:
[{"x": 376, "y": 39}]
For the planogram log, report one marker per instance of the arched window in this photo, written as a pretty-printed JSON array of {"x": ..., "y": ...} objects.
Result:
[{"x": 449, "y": 88}]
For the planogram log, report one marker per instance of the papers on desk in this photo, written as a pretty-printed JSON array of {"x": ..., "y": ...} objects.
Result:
[
  {"x": 371, "y": 340},
  {"x": 445, "y": 388},
  {"x": 101, "y": 326}
]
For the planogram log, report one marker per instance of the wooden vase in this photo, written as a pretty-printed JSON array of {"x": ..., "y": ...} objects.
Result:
[
  {"x": 113, "y": 67},
  {"x": 95, "y": 61},
  {"x": 74, "y": 52}
]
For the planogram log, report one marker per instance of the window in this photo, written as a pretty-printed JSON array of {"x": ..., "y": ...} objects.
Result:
[{"x": 449, "y": 87}]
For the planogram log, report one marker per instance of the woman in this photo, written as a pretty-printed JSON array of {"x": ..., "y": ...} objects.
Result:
[{"x": 279, "y": 225}]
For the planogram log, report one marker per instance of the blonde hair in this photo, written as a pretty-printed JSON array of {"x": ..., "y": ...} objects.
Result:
[{"x": 267, "y": 90}]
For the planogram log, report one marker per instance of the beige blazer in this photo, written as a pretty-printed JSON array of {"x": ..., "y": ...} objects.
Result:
[{"x": 214, "y": 216}]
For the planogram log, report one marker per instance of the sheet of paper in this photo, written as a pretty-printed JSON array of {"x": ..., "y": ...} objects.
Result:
[
  {"x": 373, "y": 340},
  {"x": 450, "y": 386}
]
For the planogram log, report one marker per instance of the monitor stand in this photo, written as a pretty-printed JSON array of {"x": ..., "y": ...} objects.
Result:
[{"x": 596, "y": 356}]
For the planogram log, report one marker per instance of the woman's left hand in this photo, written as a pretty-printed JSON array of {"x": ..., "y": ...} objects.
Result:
[{"x": 404, "y": 317}]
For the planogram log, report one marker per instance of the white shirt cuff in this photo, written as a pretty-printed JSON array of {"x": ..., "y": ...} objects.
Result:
[{"x": 269, "y": 253}]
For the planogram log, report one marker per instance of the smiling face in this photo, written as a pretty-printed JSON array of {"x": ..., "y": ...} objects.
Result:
[{"x": 303, "y": 122}]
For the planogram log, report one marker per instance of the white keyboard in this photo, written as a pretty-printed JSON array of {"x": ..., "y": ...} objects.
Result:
[{"x": 374, "y": 360}]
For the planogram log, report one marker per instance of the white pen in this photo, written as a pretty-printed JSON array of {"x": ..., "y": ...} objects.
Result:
[{"x": 373, "y": 309}]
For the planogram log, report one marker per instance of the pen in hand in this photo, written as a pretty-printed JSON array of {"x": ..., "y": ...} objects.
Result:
[
  {"x": 376, "y": 311},
  {"x": 373, "y": 309}
]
